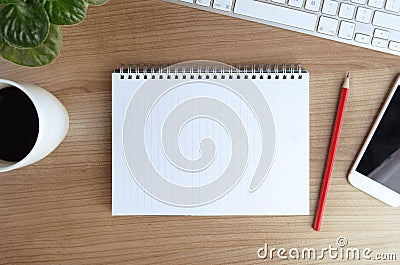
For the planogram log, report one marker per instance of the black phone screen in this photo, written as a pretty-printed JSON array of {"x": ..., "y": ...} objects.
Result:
[{"x": 381, "y": 160}]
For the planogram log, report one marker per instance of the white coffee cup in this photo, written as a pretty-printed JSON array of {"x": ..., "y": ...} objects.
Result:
[{"x": 53, "y": 123}]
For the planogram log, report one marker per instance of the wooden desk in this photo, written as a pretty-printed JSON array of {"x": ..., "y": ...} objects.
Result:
[{"x": 58, "y": 211}]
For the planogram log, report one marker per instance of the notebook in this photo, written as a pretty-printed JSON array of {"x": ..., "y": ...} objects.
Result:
[{"x": 206, "y": 138}]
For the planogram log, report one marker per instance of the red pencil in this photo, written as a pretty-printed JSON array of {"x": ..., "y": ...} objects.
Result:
[{"x": 331, "y": 155}]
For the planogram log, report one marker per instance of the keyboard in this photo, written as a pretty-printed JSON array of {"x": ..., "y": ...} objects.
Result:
[{"x": 373, "y": 24}]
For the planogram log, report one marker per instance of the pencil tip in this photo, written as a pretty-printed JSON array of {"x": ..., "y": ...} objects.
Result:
[{"x": 346, "y": 82}]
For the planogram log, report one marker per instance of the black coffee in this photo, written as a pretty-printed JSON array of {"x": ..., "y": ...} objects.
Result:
[{"x": 19, "y": 124}]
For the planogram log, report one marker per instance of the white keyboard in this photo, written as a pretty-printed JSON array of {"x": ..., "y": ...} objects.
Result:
[{"x": 373, "y": 24}]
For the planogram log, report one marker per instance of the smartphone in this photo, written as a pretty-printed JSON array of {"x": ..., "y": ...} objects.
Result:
[{"x": 376, "y": 170}]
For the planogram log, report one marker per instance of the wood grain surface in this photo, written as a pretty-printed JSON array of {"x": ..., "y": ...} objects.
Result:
[{"x": 58, "y": 211}]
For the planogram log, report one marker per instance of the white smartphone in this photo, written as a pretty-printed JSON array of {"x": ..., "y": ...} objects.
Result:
[{"x": 376, "y": 170}]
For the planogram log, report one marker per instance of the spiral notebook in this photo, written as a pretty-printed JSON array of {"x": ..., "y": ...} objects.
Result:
[{"x": 210, "y": 139}]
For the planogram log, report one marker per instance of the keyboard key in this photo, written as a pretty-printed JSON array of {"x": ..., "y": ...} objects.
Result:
[
  {"x": 361, "y": 2},
  {"x": 203, "y": 2},
  {"x": 276, "y": 14},
  {"x": 313, "y": 5},
  {"x": 295, "y": 3},
  {"x": 346, "y": 30},
  {"x": 279, "y": 1},
  {"x": 362, "y": 38},
  {"x": 395, "y": 46},
  {"x": 330, "y": 7},
  {"x": 346, "y": 11},
  {"x": 379, "y": 42},
  {"x": 364, "y": 15},
  {"x": 224, "y": 5},
  {"x": 386, "y": 20},
  {"x": 382, "y": 34},
  {"x": 187, "y": 1},
  {"x": 376, "y": 3},
  {"x": 327, "y": 26},
  {"x": 393, "y": 5}
]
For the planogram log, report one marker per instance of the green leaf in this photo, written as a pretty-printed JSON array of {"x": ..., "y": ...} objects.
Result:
[
  {"x": 1, "y": 42},
  {"x": 44, "y": 54},
  {"x": 7, "y": 1},
  {"x": 95, "y": 2},
  {"x": 65, "y": 12},
  {"x": 24, "y": 25}
]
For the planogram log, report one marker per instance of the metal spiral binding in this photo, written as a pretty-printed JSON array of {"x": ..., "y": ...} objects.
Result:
[{"x": 211, "y": 72}]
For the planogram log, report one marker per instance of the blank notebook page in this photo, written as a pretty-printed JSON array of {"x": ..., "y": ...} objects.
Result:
[{"x": 223, "y": 145}]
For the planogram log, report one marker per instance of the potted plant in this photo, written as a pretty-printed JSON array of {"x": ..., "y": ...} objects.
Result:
[{"x": 30, "y": 30}]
